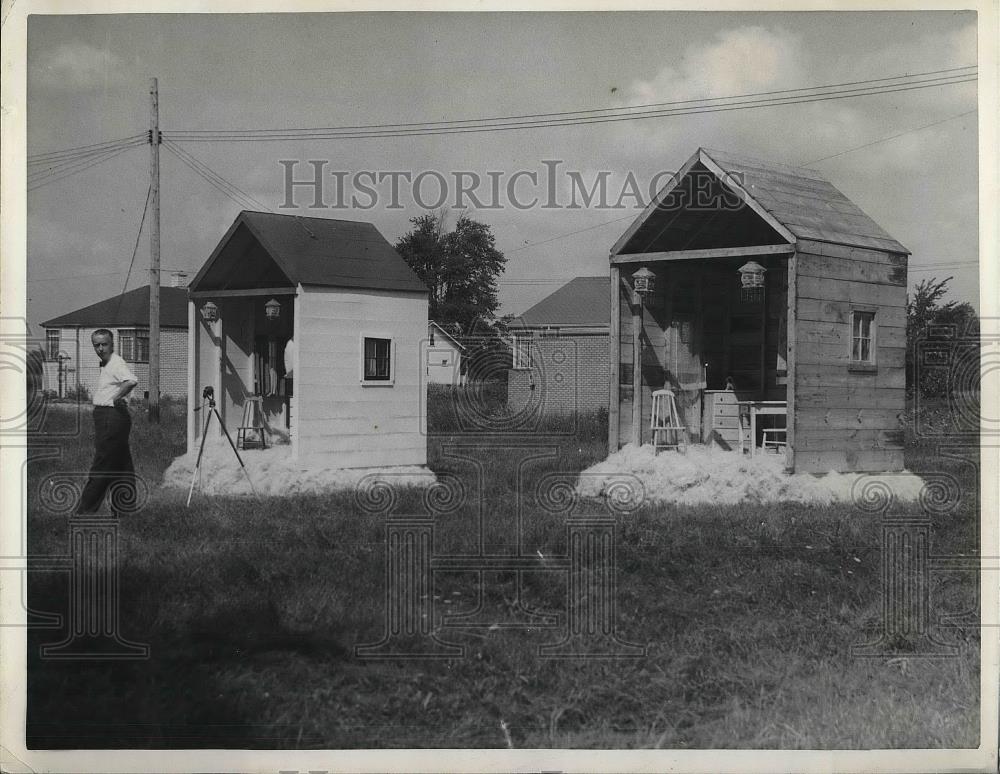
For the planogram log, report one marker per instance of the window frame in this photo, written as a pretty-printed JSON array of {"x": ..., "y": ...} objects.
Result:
[
  {"x": 366, "y": 382},
  {"x": 133, "y": 335},
  {"x": 523, "y": 339},
  {"x": 52, "y": 354},
  {"x": 871, "y": 364}
]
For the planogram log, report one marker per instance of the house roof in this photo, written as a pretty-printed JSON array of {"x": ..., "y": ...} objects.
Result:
[
  {"x": 128, "y": 310},
  {"x": 443, "y": 332},
  {"x": 797, "y": 202},
  {"x": 319, "y": 251},
  {"x": 581, "y": 301}
]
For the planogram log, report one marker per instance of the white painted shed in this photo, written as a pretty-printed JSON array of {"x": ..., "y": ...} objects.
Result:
[
  {"x": 323, "y": 322},
  {"x": 443, "y": 359}
]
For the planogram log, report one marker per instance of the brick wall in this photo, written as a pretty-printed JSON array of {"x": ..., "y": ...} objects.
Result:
[
  {"x": 568, "y": 374},
  {"x": 173, "y": 362}
]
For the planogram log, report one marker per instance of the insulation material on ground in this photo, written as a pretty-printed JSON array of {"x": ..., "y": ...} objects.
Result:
[
  {"x": 708, "y": 474},
  {"x": 274, "y": 472}
]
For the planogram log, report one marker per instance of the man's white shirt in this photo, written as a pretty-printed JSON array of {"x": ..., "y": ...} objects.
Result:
[{"x": 113, "y": 374}]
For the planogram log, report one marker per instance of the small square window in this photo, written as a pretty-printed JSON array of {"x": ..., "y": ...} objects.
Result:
[
  {"x": 863, "y": 337},
  {"x": 377, "y": 365}
]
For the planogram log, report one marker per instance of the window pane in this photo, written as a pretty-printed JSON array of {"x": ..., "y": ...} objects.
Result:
[{"x": 377, "y": 359}]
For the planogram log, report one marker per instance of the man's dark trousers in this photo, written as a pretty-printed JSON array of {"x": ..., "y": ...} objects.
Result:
[{"x": 112, "y": 461}]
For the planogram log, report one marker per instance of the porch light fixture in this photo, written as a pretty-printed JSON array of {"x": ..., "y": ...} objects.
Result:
[
  {"x": 752, "y": 281},
  {"x": 209, "y": 312},
  {"x": 643, "y": 281},
  {"x": 272, "y": 309}
]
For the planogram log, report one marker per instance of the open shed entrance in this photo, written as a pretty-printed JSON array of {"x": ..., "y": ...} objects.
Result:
[{"x": 244, "y": 353}]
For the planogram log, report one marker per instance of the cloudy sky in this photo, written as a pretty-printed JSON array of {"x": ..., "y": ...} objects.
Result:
[{"x": 88, "y": 82}]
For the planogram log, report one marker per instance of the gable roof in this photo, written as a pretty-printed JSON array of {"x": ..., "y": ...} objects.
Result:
[
  {"x": 128, "y": 310},
  {"x": 443, "y": 332},
  {"x": 582, "y": 301},
  {"x": 797, "y": 202},
  {"x": 322, "y": 251}
]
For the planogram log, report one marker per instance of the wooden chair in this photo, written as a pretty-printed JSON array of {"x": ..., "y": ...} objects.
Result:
[{"x": 665, "y": 420}]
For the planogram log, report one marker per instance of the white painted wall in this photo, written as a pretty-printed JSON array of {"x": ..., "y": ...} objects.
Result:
[
  {"x": 442, "y": 360},
  {"x": 340, "y": 421}
]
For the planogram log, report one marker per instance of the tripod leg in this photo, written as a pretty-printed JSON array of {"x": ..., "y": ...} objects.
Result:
[
  {"x": 233, "y": 446},
  {"x": 201, "y": 450}
]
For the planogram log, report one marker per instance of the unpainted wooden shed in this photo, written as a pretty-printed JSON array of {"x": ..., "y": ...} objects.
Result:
[{"x": 826, "y": 333}]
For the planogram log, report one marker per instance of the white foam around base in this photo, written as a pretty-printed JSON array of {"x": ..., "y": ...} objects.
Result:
[
  {"x": 707, "y": 474},
  {"x": 275, "y": 473}
]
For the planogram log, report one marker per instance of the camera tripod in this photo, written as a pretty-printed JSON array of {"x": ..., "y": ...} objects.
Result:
[{"x": 208, "y": 394}]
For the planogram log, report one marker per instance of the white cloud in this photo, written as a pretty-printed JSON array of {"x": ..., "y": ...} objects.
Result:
[
  {"x": 78, "y": 66},
  {"x": 745, "y": 59}
]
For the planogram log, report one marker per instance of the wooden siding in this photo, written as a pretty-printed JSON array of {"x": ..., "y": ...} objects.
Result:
[
  {"x": 341, "y": 422},
  {"x": 844, "y": 419}
]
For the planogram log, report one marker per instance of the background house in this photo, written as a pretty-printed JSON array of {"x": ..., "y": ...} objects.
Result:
[
  {"x": 357, "y": 315},
  {"x": 443, "y": 357},
  {"x": 560, "y": 350},
  {"x": 69, "y": 354},
  {"x": 824, "y": 331}
]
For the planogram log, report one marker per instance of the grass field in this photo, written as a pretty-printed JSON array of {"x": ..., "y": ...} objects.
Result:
[{"x": 252, "y": 610}]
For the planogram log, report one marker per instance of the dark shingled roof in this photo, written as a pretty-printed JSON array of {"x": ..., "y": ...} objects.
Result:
[
  {"x": 128, "y": 310},
  {"x": 805, "y": 202},
  {"x": 324, "y": 251},
  {"x": 581, "y": 301}
]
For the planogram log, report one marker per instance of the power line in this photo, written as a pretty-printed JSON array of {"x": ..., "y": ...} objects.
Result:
[
  {"x": 891, "y": 137},
  {"x": 54, "y": 171},
  {"x": 429, "y": 130},
  {"x": 135, "y": 248},
  {"x": 550, "y": 116},
  {"x": 234, "y": 192},
  {"x": 80, "y": 167},
  {"x": 41, "y": 157}
]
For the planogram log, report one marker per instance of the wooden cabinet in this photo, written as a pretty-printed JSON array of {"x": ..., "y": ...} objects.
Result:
[{"x": 722, "y": 422}]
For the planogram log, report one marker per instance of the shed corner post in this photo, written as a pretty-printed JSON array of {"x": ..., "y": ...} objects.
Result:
[
  {"x": 295, "y": 401},
  {"x": 636, "y": 304},
  {"x": 791, "y": 334},
  {"x": 192, "y": 376},
  {"x": 614, "y": 361}
]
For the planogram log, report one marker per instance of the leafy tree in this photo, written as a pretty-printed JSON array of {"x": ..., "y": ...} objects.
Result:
[
  {"x": 460, "y": 267},
  {"x": 924, "y": 313}
]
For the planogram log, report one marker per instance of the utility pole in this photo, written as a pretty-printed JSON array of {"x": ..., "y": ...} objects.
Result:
[{"x": 154, "y": 252}]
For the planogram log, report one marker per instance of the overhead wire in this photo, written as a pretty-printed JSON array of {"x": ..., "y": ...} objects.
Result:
[
  {"x": 550, "y": 120},
  {"x": 62, "y": 174},
  {"x": 135, "y": 247}
]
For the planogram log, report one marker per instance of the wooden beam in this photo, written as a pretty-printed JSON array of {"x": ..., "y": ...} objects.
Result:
[
  {"x": 636, "y": 370},
  {"x": 653, "y": 205},
  {"x": 716, "y": 252},
  {"x": 239, "y": 293},
  {"x": 791, "y": 360},
  {"x": 728, "y": 181},
  {"x": 614, "y": 358}
]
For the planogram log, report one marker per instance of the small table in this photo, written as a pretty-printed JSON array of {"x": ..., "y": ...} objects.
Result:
[{"x": 755, "y": 407}]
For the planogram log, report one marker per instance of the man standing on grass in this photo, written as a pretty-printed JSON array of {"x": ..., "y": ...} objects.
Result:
[{"x": 112, "y": 425}]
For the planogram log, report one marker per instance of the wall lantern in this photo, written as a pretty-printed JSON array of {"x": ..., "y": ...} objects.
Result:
[
  {"x": 209, "y": 312},
  {"x": 752, "y": 281},
  {"x": 643, "y": 281},
  {"x": 272, "y": 309}
]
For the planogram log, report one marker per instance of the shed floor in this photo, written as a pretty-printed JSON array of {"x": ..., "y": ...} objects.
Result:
[
  {"x": 709, "y": 474},
  {"x": 275, "y": 473}
]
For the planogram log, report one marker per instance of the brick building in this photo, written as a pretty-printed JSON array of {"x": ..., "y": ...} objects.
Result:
[
  {"x": 560, "y": 362},
  {"x": 70, "y": 358}
]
